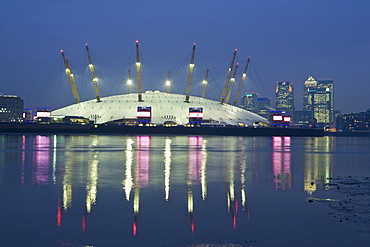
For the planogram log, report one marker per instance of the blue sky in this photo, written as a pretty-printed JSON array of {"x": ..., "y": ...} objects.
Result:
[{"x": 287, "y": 40}]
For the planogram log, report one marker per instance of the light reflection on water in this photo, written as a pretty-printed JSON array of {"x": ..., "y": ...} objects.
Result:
[{"x": 170, "y": 190}]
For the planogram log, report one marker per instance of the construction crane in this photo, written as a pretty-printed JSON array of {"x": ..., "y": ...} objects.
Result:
[
  {"x": 205, "y": 82},
  {"x": 94, "y": 79},
  {"x": 237, "y": 94},
  {"x": 168, "y": 82},
  {"x": 232, "y": 81},
  {"x": 129, "y": 81},
  {"x": 71, "y": 79},
  {"x": 226, "y": 85},
  {"x": 190, "y": 76},
  {"x": 138, "y": 73}
]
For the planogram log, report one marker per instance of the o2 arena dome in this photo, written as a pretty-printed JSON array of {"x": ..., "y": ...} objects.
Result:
[{"x": 161, "y": 108}]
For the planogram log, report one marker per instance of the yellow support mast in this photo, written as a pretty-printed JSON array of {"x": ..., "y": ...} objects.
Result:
[
  {"x": 168, "y": 82},
  {"x": 237, "y": 94},
  {"x": 226, "y": 85},
  {"x": 138, "y": 73},
  {"x": 232, "y": 81},
  {"x": 94, "y": 79},
  {"x": 190, "y": 76},
  {"x": 205, "y": 82},
  {"x": 71, "y": 79}
]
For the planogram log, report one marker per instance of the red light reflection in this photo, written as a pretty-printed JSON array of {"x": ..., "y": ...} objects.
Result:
[{"x": 59, "y": 214}]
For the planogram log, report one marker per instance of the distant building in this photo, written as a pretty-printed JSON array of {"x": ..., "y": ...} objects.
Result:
[
  {"x": 43, "y": 112},
  {"x": 318, "y": 101},
  {"x": 11, "y": 108},
  {"x": 279, "y": 118},
  {"x": 301, "y": 118},
  {"x": 320, "y": 108},
  {"x": 27, "y": 115},
  {"x": 309, "y": 84},
  {"x": 284, "y": 97},
  {"x": 354, "y": 122},
  {"x": 264, "y": 108},
  {"x": 249, "y": 102},
  {"x": 328, "y": 86}
]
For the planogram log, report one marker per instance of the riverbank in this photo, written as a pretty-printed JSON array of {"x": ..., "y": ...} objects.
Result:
[{"x": 157, "y": 130}]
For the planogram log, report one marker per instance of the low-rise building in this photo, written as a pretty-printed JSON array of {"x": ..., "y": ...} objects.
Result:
[{"x": 11, "y": 108}]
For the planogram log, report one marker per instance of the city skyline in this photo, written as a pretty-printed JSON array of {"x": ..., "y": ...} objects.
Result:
[{"x": 298, "y": 40}]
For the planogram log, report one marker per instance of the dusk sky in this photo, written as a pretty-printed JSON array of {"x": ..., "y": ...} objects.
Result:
[{"x": 287, "y": 40}]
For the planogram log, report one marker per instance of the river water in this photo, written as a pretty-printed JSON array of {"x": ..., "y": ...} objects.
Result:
[{"x": 176, "y": 191}]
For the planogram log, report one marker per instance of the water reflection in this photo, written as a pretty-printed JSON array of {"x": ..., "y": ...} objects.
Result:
[
  {"x": 128, "y": 182},
  {"x": 142, "y": 173},
  {"x": 92, "y": 180},
  {"x": 167, "y": 168},
  {"x": 148, "y": 169},
  {"x": 281, "y": 162},
  {"x": 318, "y": 163}
]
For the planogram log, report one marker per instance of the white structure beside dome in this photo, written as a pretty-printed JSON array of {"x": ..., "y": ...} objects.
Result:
[{"x": 165, "y": 107}]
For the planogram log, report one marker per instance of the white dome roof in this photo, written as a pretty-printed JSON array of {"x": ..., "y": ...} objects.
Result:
[{"x": 165, "y": 107}]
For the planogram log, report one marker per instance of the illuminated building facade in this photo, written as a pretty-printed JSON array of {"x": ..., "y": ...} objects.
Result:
[
  {"x": 309, "y": 84},
  {"x": 354, "y": 122},
  {"x": 321, "y": 105},
  {"x": 11, "y": 108},
  {"x": 318, "y": 100},
  {"x": 279, "y": 118},
  {"x": 328, "y": 87},
  {"x": 284, "y": 97},
  {"x": 249, "y": 102}
]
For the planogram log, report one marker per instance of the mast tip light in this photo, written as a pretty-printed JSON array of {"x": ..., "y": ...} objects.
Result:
[
  {"x": 61, "y": 50},
  {"x": 137, "y": 41}
]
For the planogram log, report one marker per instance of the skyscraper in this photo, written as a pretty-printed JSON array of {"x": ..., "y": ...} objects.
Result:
[
  {"x": 284, "y": 97},
  {"x": 318, "y": 100},
  {"x": 310, "y": 83},
  {"x": 249, "y": 102},
  {"x": 328, "y": 86}
]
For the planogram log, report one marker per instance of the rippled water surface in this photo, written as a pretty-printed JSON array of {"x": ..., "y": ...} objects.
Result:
[{"x": 106, "y": 190}]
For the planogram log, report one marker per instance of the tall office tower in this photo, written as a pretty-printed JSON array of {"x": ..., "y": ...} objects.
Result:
[
  {"x": 318, "y": 100},
  {"x": 284, "y": 97},
  {"x": 264, "y": 107},
  {"x": 249, "y": 102},
  {"x": 310, "y": 83},
  {"x": 328, "y": 86},
  {"x": 11, "y": 108},
  {"x": 321, "y": 102}
]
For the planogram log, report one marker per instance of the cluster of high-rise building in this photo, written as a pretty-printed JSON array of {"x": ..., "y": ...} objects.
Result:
[{"x": 318, "y": 103}]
